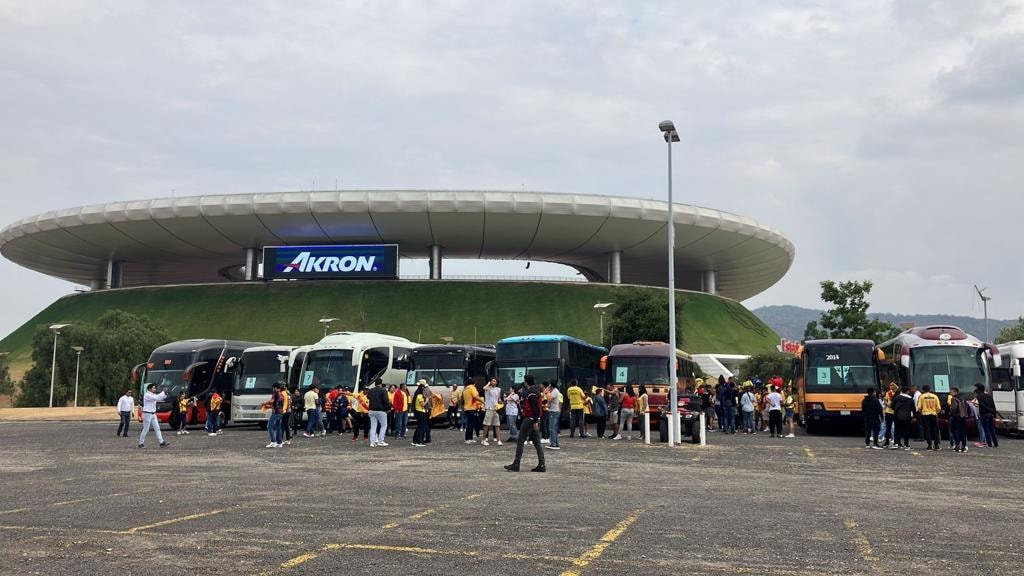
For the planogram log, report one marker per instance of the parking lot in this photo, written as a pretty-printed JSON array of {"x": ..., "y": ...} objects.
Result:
[{"x": 78, "y": 500}]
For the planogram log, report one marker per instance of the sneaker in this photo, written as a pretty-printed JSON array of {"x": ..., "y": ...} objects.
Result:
[
  {"x": 617, "y": 437},
  {"x": 499, "y": 442},
  {"x": 373, "y": 444},
  {"x": 382, "y": 443},
  {"x": 355, "y": 439},
  {"x": 484, "y": 443},
  {"x": 419, "y": 445},
  {"x": 179, "y": 432},
  {"x": 867, "y": 446},
  {"x": 271, "y": 445},
  {"x": 185, "y": 431},
  {"x": 308, "y": 435},
  {"x": 790, "y": 436},
  {"x": 288, "y": 442},
  {"x": 220, "y": 431},
  {"x": 908, "y": 448},
  {"x": 545, "y": 441},
  {"x": 895, "y": 447},
  {"x": 164, "y": 444},
  {"x": 469, "y": 442},
  {"x": 212, "y": 434},
  {"x": 142, "y": 445},
  {"x": 979, "y": 444},
  {"x": 538, "y": 469},
  {"x": 938, "y": 448},
  {"x": 511, "y": 468},
  {"x": 554, "y": 447},
  {"x": 877, "y": 447}
]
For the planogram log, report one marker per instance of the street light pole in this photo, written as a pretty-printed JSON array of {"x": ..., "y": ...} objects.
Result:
[
  {"x": 668, "y": 130},
  {"x": 602, "y": 307},
  {"x": 78, "y": 364},
  {"x": 53, "y": 365},
  {"x": 327, "y": 324}
]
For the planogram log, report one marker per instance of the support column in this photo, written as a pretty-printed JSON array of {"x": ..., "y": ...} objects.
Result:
[
  {"x": 96, "y": 284},
  {"x": 615, "y": 267},
  {"x": 435, "y": 262},
  {"x": 252, "y": 264},
  {"x": 708, "y": 282},
  {"x": 115, "y": 276}
]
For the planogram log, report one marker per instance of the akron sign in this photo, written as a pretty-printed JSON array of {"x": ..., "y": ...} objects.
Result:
[{"x": 376, "y": 261}]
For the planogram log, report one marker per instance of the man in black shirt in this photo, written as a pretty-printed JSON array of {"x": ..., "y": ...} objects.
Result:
[
  {"x": 530, "y": 426},
  {"x": 872, "y": 411},
  {"x": 903, "y": 414},
  {"x": 986, "y": 414},
  {"x": 379, "y": 408}
]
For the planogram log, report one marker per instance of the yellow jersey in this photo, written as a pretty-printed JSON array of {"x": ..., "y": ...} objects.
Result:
[
  {"x": 575, "y": 394},
  {"x": 930, "y": 404}
]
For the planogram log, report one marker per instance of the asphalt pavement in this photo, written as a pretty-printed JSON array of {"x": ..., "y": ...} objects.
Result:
[{"x": 78, "y": 500}]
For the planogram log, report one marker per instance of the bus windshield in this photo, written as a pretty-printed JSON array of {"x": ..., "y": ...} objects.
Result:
[
  {"x": 438, "y": 369},
  {"x": 329, "y": 368},
  {"x": 838, "y": 368},
  {"x": 168, "y": 370},
  {"x": 259, "y": 371},
  {"x": 945, "y": 367},
  {"x": 512, "y": 376},
  {"x": 638, "y": 370}
]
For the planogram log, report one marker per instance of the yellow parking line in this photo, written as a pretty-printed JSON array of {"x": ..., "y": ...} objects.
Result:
[
  {"x": 810, "y": 454},
  {"x": 171, "y": 521},
  {"x": 302, "y": 558},
  {"x": 918, "y": 454},
  {"x": 80, "y": 500},
  {"x": 14, "y": 510},
  {"x": 862, "y": 544},
  {"x": 595, "y": 552}
]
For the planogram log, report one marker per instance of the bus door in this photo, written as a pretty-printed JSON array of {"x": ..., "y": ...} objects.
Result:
[{"x": 374, "y": 364}]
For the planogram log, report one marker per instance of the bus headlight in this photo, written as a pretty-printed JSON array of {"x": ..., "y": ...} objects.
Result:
[{"x": 817, "y": 407}]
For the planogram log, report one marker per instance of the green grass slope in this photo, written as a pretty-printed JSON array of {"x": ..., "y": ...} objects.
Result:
[{"x": 423, "y": 311}]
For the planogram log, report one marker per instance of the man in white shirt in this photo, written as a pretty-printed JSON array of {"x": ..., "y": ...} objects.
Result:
[
  {"x": 125, "y": 407},
  {"x": 774, "y": 403},
  {"x": 149, "y": 401},
  {"x": 492, "y": 397}
]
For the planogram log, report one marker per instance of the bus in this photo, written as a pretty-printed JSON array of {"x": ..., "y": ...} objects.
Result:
[
  {"x": 255, "y": 373},
  {"x": 942, "y": 357},
  {"x": 196, "y": 367},
  {"x": 553, "y": 358},
  {"x": 295, "y": 360},
  {"x": 646, "y": 363},
  {"x": 1008, "y": 387},
  {"x": 831, "y": 378},
  {"x": 447, "y": 365},
  {"x": 355, "y": 359}
]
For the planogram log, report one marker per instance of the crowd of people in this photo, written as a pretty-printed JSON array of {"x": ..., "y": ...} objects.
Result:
[{"x": 759, "y": 406}]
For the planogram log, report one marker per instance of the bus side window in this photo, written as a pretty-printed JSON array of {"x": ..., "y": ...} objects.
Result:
[{"x": 375, "y": 361}]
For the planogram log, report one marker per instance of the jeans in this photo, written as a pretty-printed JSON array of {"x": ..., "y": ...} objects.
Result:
[
  {"x": 887, "y": 431},
  {"x": 149, "y": 420},
  {"x": 775, "y": 422},
  {"x": 575, "y": 421},
  {"x": 872, "y": 425},
  {"x": 513, "y": 429},
  {"x": 360, "y": 421},
  {"x": 422, "y": 425},
  {"x": 958, "y": 432},
  {"x": 988, "y": 424},
  {"x": 311, "y": 417},
  {"x": 402, "y": 423},
  {"x": 378, "y": 426},
  {"x": 122, "y": 428},
  {"x": 626, "y": 419},
  {"x": 748, "y": 421},
  {"x": 545, "y": 433},
  {"x": 274, "y": 428},
  {"x": 453, "y": 416},
  {"x": 472, "y": 423},
  {"x": 285, "y": 426},
  {"x": 554, "y": 422},
  {"x": 730, "y": 419},
  {"x": 600, "y": 421},
  {"x": 527, "y": 432},
  {"x": 213, "y": 421},
  {"x": 930, "y": 424}
]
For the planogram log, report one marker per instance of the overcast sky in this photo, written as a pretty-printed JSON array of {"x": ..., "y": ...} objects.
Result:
[{"x": 883, "y": 138}]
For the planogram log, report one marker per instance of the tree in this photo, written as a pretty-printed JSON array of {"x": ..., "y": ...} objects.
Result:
[
  {"x": 6, "y": 385},
  {"x": 767, "y": 365},
  {"x": 642, "y": 316},
  {"x": 1011, "y": 333},
  {"x": 113, "y": 344},
  {"x": 848, "y": 317}
]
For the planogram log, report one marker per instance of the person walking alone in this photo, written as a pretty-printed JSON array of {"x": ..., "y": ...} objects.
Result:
[
  {"x": 379, "y": 406},
  {"x": 149, "y": 400},
  {"x": 530, "y": 428},
  {"x": 872, "y": 412},
  {"x": 125, "y": 408}
]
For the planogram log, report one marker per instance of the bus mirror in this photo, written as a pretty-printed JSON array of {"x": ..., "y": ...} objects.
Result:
[
  {"x": 905, "y": 358},
  {"x": 190, "y": 371},
  {"x": 136, "y": 373},
  {"x": 997, "y": 358},
  {"x": 283, "y": 359},
  {"x": 229, "y": 365},
  {"x": 880, "y": 355},
  {"x": 1016, "y": 370},
  {"x": 604, "y": 363}
]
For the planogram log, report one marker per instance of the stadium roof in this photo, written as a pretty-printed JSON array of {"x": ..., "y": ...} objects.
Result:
[{"x": 202, "y": 238}]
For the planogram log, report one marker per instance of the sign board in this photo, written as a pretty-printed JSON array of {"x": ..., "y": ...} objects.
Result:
[
  {"x": 250, "y": 382},
  {"x": 371, "y": 261},
  {"x": 941, "y": 383},
  {"x": 824, "y": 375},
  {"x": 788, "y": 346},
  {"x": 621, "y": 374},
  {"x": 520, "y": 375},
  {"x": 307, "y": 378}
]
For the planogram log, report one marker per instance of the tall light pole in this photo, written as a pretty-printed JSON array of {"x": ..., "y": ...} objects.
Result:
[
  {"x": 602, "y": 308},
  {"x": 56, "y": 328},
  {"x": 984, "y": 304},
  {"x": 78, "y": 364},
  {"x": 327, "y": 324},
  {"x": 668, "y": 130}
]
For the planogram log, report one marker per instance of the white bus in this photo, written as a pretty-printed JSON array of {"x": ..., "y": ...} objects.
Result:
[
  {"x": 355, "y": 359},
  {"x": 255, "y": 373},
  {"x": 1008, "y": 387}
]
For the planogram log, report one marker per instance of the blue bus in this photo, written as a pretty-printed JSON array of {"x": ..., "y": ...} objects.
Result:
[{"x": 554, "y": 358}]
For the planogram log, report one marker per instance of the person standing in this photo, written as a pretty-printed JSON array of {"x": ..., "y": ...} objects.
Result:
[
  {"x": 626, "y": 411},
  {"x": 149, "y": 400},
  {"x": 276, "y": 406},
  {"x": 471, "y": 404},
  {"x": 545, "y": 398},
  {"x": 872, "y": 412},
  {"x": 959, "y": 413},
  {"x": 887, "y": 413},
  {"x": 903, "y": 415},
  {"x": 554, "y": 415},
  {"x": 180, "y": 414},
  {"x": 987, "y": 414},
  {"x": 729, "y": 408},
  {"x": 643, "y": 405},
  {"x": 453, "y": 407},
  {"x": 309, "y": 402},
  {"x": 125, "y": 408},
  {"x": 575, "y": 395},
  {"x": 379, "y": 407},
  {"x": 360, "y": 416},
  {"x": 600, "y": 411},
  {"x": 773, "y": 403},
  {"x": 613, "y": 398},
  {"x": 298, "y": 406},
  {"x": 400, "y": 406},
  {"x": 286, "y": 412},
  {"x": 422, "y": 413},
  {"x": 748, "y": 403},
  {"x": 790, "y": 406},
  {"x": 512, "y": 414},
  {"x": 530, "y": 428},
  {"x": 492, "y": 422},
  {"x": 341, "y": 409},
  {"x": 929, "y": 407}
]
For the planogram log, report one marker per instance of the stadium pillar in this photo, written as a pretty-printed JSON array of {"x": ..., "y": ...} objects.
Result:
[
  {"x": 708, "y": 280},
  {"x": 435, "y": 262},
  {"x": 115, "y": 274},
  {"x": 252, "y": 264},
  {"x": 615, "y": 267}
]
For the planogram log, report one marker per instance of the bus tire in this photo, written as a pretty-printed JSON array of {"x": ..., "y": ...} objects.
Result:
[{"x": 222, "y": 418}]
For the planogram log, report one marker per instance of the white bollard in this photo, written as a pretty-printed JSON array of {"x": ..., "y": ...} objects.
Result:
[
  {"x": 671, "y": 431},
  {"x": 703, "y": 430},
  {"x": 647, "y": 427},
  {"x": 678, "y": 419}
]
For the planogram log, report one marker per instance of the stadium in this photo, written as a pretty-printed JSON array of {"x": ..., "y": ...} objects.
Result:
[{"x": 197, "y": 262}]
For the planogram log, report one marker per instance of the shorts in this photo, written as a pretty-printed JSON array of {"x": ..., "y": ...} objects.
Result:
[
  {"x": 491, "y": 418},
  {"x": 789, "y": 414},
  {"x": 613, "y": 416}
]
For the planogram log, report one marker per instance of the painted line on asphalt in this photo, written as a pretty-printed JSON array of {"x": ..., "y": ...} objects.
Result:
[
  {"x": 810, "y": 455},
  {"x": 172, "y": 521},
  {"x": 918, "y": 454},
  {"x": 595, "y": 552},
  {"x": 860, "y": 541},
  {"x": 303, "y": 558},
  {"x": 89, "y": 499}
]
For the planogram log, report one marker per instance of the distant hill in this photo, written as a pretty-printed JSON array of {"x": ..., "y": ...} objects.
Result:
[{"x": 790, "y": 321}]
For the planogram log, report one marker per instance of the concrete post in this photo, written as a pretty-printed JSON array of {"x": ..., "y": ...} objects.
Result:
[
  {"x": 647, "y": 427},
  {"x": 708, "y": 282},
  {"x": 252, "y": 264},
  {"x": 115, "y": 277},
  {"x": 435, "y": 262},
  {"x": 615, "y": 267},
  {"x": 703, "y": 429}
]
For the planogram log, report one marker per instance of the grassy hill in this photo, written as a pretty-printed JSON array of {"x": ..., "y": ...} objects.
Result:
[{"x": 423, "y": 311}]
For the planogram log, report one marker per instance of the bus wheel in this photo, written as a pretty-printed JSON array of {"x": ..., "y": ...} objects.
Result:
[{"x": 223, "y": 419}]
